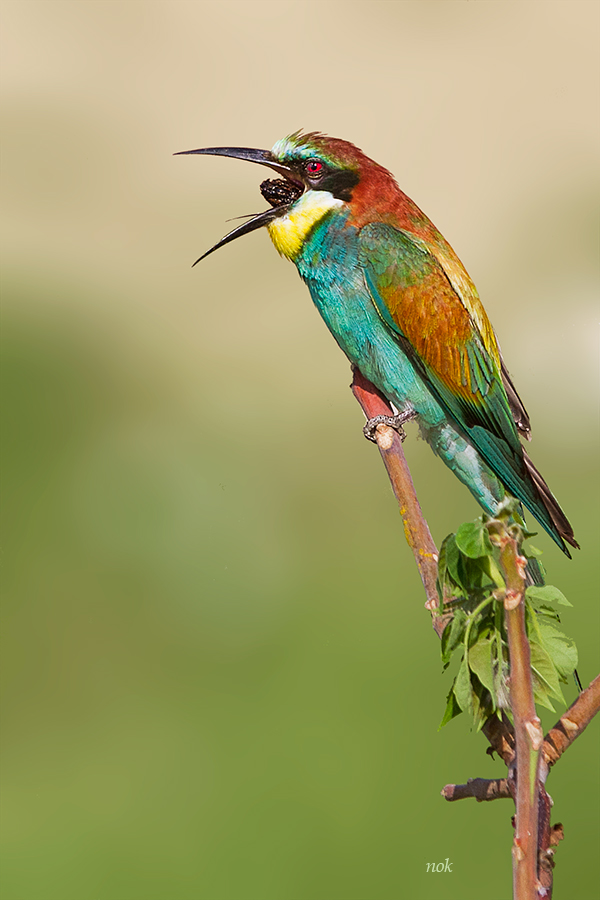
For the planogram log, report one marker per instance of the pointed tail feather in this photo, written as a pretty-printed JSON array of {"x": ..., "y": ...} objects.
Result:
[
  {"x": 519, "y": 413},
  {"x": 560, "y": 521}
]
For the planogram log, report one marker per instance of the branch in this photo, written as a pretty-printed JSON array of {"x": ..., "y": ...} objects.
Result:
[
  {"x": 572, "y": 723},
  {"x": 501, "y": 736},
  {"x": 480, "y": 788},
  {"x": 532, "y": 801},
  {"x": 373, "y": 403},
  {"x": 416, "y": 528},
  {"x": 528, "y": 733}
]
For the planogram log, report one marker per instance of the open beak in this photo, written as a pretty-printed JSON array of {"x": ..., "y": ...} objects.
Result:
[{"x": 263, "y": 158}]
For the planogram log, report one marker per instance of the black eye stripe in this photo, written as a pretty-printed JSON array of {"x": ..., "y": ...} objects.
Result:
[{"x": 340, "y": 183}]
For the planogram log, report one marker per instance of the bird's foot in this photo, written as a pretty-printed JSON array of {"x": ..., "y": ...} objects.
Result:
[{"x": 396, "y": 422}]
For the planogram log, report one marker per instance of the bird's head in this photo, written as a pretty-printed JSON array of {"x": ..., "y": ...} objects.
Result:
[{"x": 320, "y": 174}]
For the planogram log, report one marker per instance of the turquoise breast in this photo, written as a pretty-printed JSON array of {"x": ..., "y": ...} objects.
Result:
[{"x": 328, "y": 263}]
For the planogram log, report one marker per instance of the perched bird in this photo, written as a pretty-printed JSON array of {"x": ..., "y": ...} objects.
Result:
[{"x": 402, "y": 307}]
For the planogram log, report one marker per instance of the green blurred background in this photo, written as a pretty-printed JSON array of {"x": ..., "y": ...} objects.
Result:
[{"x": 219, "y": 678}]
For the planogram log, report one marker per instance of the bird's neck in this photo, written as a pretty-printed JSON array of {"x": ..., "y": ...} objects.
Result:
[{"x": 290, "y": 231}]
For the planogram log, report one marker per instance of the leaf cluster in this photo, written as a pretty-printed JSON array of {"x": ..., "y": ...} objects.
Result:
[{"x": 471, "y": 587}]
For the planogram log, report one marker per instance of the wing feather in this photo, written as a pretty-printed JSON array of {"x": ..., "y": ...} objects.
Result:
[
  {"x": 458, "y": 357},
  {"x": 421, "y": 307}
]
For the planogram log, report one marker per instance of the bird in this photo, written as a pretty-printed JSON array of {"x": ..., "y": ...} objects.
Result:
[{"x": 401, "y": 306}]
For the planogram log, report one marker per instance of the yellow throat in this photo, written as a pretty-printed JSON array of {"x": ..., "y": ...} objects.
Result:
[{"x": 289, "y": 232}]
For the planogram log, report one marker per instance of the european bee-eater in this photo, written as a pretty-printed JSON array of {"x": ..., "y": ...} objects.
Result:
[{"x": 402, "y": 307}]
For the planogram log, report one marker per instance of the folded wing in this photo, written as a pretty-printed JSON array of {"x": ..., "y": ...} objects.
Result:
[{"x": 457, "y": 356}]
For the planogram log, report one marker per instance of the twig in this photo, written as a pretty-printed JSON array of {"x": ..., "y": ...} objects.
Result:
[
  {"x": 416, "y": 528},
  {"x": 572, "y": 723},
  {"x": 501, "y": 736},
  {"x": 479, "y": 788}
]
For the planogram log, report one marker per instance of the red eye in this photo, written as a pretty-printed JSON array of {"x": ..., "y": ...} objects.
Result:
[{"x": 313, "y": 167}]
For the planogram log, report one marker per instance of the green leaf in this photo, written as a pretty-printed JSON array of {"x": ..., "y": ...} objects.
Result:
[
  {"x": 491, "y": 569},
  {"x": 540, "y": 695},
  {"x": 483, "y": 706},
  {"x": 473, "y": 540},
  {"x": 546, "y": 594},
  {"x": 531, "y": 552},
  {"x": 474, "y": 573},
  {"x": 462, "y": 688},
  {"x": 560, "y": 648},
  {"x": 547, "y": 611},
  {"x": 481, "y": 662},
  {"x": 448, "y": 561},
  {"x": 544, "y": 672},
  {"x": 452, "y": 709},
  {"x": 453, "y": 634}
]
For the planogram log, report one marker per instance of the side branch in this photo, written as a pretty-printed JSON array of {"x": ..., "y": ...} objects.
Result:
[
  {"x": 572, "y": 723},
  {"x": 482, "y": 789}
]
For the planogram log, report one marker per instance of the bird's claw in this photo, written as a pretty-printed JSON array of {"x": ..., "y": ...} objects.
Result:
[{"x": 396, "y": 422}]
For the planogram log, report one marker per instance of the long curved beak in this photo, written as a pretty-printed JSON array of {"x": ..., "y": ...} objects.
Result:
[
  {"x": 263, "y": 158},
  {"x": 255, "y": 222}
]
